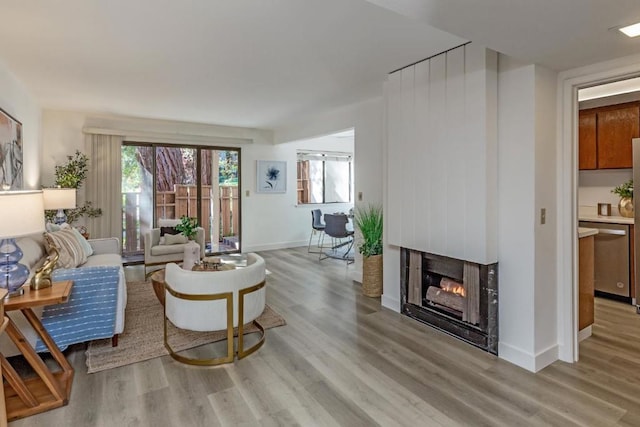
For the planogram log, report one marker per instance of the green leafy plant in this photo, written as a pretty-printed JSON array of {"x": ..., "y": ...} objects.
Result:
[
  {"x": 73, "y": 173},
  {"x": 369, "y": 222},
  {"x": 74, "y": 214},
  {"x": 187, "y": 226},
  {"x": 624, "y": 190}
]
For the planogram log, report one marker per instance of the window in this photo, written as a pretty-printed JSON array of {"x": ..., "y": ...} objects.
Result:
[{"x": 324, "y": 177}]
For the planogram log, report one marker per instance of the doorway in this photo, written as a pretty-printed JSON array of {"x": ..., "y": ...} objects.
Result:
[
  {"x": 569, "y": 84},
  {"x": 162, "y": 181}
]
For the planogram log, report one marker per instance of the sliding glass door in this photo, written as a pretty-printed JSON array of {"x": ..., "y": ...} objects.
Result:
[{"x": 171, "y": 181}]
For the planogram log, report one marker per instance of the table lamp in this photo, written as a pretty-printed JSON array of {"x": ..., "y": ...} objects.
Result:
[
  {"x": 59, "y": 198},
  {"x": 20, "y": 215}
]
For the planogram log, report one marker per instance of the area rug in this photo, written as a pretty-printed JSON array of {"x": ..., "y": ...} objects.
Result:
[{"x": 142, "y": 338}]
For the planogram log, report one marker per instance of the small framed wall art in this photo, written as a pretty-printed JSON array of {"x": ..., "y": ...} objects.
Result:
[{"x": 271, "y": 176}]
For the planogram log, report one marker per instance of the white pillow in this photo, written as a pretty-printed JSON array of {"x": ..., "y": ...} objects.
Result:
[
  {"x": 175, "y": 239},
  {"x": 69, "y": 248},
  {"x": 86, "y": 247}
]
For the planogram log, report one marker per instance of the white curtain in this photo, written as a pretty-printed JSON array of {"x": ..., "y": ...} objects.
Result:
[{"x": 104, "y": 184}]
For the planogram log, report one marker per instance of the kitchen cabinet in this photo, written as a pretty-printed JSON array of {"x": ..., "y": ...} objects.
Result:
[
  {"x": 587, "y": 150},
  {"x": 605, "y": 134},
  {"x": 585, "y": 281}
]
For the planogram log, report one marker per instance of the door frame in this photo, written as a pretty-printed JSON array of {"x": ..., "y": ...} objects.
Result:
[{"x": 567, "y": 188}]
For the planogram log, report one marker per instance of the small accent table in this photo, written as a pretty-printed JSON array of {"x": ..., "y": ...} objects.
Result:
[{"x": 48, "y": 390}]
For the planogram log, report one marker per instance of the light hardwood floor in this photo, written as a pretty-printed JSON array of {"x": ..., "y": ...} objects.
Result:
[{"x": 343, "y": 360}]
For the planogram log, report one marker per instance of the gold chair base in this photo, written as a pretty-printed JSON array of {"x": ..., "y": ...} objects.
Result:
[{"x": 228, "y": 296}]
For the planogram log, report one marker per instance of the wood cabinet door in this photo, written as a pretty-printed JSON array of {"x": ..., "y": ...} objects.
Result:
[
  {"x": 587, "y": 148},
  {"x": 615, "y": 129}
]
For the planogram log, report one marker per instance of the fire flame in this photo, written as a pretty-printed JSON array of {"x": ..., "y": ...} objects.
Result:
[{"x": 453, "y": 287}]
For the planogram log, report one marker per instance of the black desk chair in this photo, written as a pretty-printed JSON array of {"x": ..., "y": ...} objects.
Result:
[
  {"x": 341, "y": 238},
  {"x": 316, "y": 227}
]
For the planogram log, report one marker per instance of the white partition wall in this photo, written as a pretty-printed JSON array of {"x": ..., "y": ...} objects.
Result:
[{"x": 442, "y": 155}]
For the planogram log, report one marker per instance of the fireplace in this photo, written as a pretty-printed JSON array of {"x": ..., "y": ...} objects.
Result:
[{"x": 456, "y": 296}]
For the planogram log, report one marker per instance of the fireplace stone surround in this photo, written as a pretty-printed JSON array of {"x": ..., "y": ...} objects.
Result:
[{"x": 455, "y": 296}]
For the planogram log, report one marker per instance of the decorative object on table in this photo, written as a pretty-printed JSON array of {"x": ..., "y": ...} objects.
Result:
[
  {"x": 369, "y": 222},
  {"x": 59, "y": 199},
  {"x": 191, "y": 255},
  {"x": 213, "y": 263},
  {"x": 20, "y": 215},
  {"x": 72, "y": 175},
  {"x": 604, "y": 209},
  {"x": 625, "y": 191},
  {"x": 42, "y": 277},
  {"x": 10, "y": 152},
  {"x": 271, "y": 176}
]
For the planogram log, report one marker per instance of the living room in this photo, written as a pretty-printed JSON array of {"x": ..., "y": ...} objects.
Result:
[{"x": 530, "y": 152}]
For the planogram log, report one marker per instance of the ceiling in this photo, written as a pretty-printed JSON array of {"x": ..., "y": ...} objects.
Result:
[{"x": 259, "y": 63}]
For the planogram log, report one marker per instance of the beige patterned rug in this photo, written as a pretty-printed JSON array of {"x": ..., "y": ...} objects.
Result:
[{"x": 142, "y": 338}]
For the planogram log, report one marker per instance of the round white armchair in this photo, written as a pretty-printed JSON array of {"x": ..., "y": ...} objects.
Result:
[{"x": 216, "y": 300}]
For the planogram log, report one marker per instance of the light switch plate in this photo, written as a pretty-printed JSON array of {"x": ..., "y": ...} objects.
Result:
[{"x": 543, "y": 216}]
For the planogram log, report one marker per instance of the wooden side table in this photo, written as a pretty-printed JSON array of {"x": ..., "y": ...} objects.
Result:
[{"x": 48, "y": 390}]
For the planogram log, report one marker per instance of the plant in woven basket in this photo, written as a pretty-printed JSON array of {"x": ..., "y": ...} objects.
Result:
[{"x": 369, "y": 222}]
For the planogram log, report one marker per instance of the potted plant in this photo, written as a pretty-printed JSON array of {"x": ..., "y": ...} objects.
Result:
[
  {"x": 72, "y": 175},
  {"x": 625, "y": 191},
  {"x": 369, "y": 222},
  {"x": 187, "y": 226}
]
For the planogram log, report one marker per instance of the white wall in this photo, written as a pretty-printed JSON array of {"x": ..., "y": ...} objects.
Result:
[
  {"x": 272, "y": 221},
  {"x": 269, "y": 221},
  {"x": 367, "y": 119},
  {"x": 527, "y": 251},
  {"x": 516, "y": 189},
  {"x": 16, "y": 100},
  {"x": 546, "y": 302},
  {"x": 594, "y": 186},
  {"x": 442, "y": 151}
]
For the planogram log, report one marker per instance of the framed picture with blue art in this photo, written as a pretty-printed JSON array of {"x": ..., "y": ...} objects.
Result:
[{"x": 272, "y": 176}]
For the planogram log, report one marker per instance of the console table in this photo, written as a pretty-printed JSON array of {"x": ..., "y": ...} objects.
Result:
[{"x": 47, "y": 390}]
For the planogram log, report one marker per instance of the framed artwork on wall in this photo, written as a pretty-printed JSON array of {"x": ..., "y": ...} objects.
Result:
[
  {"x": 271, "y": 176},
  {"x": 10, "y": 152}
]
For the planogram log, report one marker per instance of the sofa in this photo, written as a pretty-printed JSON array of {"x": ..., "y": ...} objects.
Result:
[{"x": 106, "y": 253}]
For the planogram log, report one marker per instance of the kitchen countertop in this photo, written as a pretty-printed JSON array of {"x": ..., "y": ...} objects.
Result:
[
  {"x": 613, "y": 219},
  {"x": 586, "y": 232}
]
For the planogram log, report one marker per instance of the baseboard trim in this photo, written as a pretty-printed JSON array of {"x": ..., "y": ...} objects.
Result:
[
  {"x": 584, "y": 334},
  {"x": 356, "y": 276},
  {"x": 390, "y": 303},
  {"x": 273, "y": 246},
  {"x": 526, "y": 360}
]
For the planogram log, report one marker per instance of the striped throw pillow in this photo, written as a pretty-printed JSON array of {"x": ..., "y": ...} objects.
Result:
[{"x": 70, "y": 250}]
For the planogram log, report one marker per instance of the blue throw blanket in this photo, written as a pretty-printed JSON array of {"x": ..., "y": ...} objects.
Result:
[{"x": 90, "y": 312}]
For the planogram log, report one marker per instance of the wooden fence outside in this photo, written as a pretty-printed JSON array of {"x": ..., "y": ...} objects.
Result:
[{"x": 173, "y": 205}]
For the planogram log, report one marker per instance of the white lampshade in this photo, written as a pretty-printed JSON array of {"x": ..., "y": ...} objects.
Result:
[
  {"x": 21, "y": 213},
  {"x": 59, "y": 198}
]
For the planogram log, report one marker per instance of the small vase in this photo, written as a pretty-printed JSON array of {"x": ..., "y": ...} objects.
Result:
[{"x": 625, "y": 207}]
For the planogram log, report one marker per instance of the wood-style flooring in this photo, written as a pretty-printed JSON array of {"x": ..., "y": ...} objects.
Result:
[{"x": 342, "y": 360}]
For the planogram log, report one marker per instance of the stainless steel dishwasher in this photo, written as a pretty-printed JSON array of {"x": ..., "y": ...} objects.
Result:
[{"x": 611, "y": 260}]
